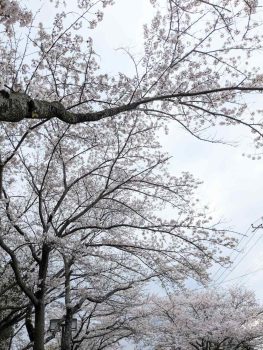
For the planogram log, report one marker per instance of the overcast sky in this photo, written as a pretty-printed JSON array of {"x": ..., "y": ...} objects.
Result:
[{"x": 233, "y": 184}]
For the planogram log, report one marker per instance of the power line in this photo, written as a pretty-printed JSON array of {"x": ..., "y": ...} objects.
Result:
[
  {"x": 240, "y": 252},
  {"x": 244, "y": 275},
  {"x": 225, "y": 268},
  {"x": 242, "y": 258},
  {"x": 229, "y": 280}
]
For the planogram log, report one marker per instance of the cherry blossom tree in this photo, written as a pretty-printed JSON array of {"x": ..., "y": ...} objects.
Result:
[
  {"x": 85, "y": 192},
  {"x": 85, "y": 225},
  {"x": 210, "y": 319},
  {"x": 105, "y": 325},
  {"x": 13, "y": 306},
  {"x": 195, "y": 68}
]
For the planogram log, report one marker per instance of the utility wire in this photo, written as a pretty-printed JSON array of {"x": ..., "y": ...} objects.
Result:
[
  {"x": 233, "y": 252},
  {"x": 242, "y": 258},
  {"x": 226, "y": 269},
  {"x": 229, "y": 280}
]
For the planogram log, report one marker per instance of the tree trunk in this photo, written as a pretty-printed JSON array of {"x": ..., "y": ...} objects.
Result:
[
  {"x": 5, "y": 338},
  {"x": 1, "y": 177},
  {"x": 66, "y": 340},
  {"x": 39, "y": 333}
]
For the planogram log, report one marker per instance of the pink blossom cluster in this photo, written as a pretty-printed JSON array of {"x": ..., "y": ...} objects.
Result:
[{"x": 11, "y": 12}]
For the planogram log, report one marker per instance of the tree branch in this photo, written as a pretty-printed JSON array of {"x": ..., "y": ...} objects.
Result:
[{"x": 18, "y": 106}]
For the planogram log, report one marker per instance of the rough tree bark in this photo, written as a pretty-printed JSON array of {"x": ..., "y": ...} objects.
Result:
[
  {"x": 66, "y": 340},
  {"x": 15, "y": 106},
  {"x": 39, "y": 332}
]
